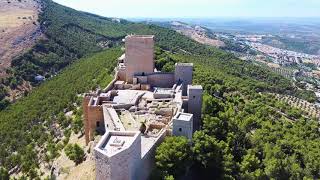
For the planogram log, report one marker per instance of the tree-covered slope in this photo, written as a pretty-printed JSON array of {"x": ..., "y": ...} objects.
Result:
[
  {"x": 30, "y": 122},
  {"x": 76, "y": 44},
  {"x": 246, "y": 133},
  {"x": 71, "y": 34}
]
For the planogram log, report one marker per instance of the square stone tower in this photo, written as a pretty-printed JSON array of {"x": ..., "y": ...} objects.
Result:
[
  {"x": 118, "y": 156},
  {"x": 183, "y": 125},
  {"x": 183, "y": 75},
  {"x": 195, "y": 104},
  {"x": 139, "y": 57}
]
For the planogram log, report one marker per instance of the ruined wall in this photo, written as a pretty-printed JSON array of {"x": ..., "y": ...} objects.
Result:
[
  {"x": 164, "y": 80},
  {"x": 139, "y": 55}
]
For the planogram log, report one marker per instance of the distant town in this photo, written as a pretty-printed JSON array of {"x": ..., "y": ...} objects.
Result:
[{"x": 301, "y": 67}]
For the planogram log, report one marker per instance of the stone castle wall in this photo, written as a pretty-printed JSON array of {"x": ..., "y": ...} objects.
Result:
[
  {"x": 85, "y": 103},
  {"x": 164, "y": 80},
  {"x": 121, "y": 74},
  {"x": 148, "y": 159},
  {"x": 95, "y": 113}
]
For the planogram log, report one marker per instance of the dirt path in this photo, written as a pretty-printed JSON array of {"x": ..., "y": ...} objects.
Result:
[{"x": 19, "y": 29}]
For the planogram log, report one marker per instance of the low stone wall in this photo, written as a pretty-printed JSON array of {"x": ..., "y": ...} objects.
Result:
[
  {"x": 156, "y": 126},
  {"x": 110, "y": 85},
  {"x": 164, "y": 112},
  {"x": 111, "y": 119},
  {"x": 164, "y": 80}
]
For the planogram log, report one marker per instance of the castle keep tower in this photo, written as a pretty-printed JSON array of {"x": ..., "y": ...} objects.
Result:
[{"x": 139, "y": 56}]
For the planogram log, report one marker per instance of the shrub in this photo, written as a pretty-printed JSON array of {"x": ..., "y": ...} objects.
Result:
[{"x": 74, "y": 153}]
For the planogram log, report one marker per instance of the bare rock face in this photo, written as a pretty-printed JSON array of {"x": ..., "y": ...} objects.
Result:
[
  {"x": 19, "y": 29},
  {"x": 196, "y": 33}
]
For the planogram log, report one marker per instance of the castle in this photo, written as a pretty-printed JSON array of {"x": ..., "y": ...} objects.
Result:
[{"x": 138, "y": 109}]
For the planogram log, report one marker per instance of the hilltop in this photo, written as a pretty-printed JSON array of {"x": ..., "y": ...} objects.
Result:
[{"x": 253, "y": 134}]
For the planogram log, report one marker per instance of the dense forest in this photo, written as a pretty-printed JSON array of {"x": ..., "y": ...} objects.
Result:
[
  {"x": 246, "y": 133},
  {"x": 71, "y": 35},
  {"x": 28, "y": 126}
]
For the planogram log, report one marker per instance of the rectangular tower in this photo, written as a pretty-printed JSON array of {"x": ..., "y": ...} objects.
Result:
[
  {"x": 139, "y": 58},
  {"x": 183, "y": 75},
  {"x": 118, "y": 156},
  {"x": 183, "y": 125},
  {"x": 93, "y": 117},
  {"x": 195, "y": 104}
]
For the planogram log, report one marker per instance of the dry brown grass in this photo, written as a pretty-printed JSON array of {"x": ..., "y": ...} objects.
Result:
[
  {"x": 18, "y": 29},
  {"x": 13, "y": 19},
  {"x": 67, "y": 168},
  {"x": 201, "y": 38}
]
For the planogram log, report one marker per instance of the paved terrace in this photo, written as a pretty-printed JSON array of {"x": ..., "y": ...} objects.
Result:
[{"x": 116, "y": 142}]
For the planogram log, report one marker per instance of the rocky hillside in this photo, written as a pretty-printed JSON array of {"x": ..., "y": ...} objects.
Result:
[
  {"x": 197, "y": 33},
  {"x": 19, "y": 29}
]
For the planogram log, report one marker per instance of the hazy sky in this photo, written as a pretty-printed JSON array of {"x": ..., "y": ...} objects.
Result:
[{"x": 197, "y": 8}]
